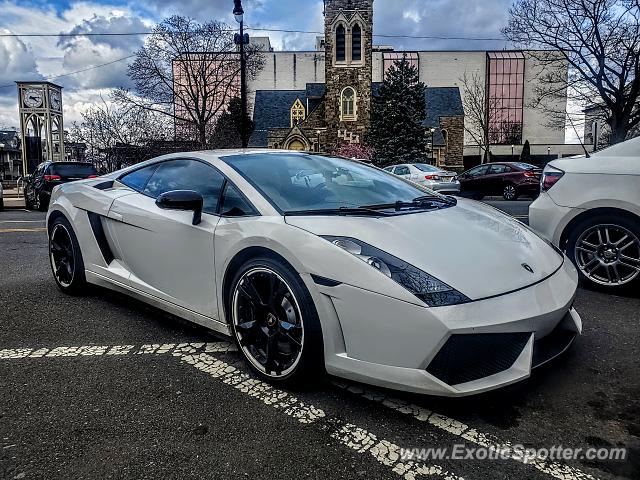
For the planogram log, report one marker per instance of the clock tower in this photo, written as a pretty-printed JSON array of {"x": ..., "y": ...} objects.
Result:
[{"x": 41, "y": 123}]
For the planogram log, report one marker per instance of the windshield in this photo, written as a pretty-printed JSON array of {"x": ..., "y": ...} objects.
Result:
[
  {"x": 304, "y": 182},
  {"x": 525, "y": 166},
  {"x": 426, "y": 168}
]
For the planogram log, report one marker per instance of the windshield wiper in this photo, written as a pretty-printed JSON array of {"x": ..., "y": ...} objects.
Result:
[
  {"x": 354, "y": 211},
  {"x": 425, "y": 201}
]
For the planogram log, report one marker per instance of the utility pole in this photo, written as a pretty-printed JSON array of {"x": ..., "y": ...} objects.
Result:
[{"x": 242, "y": 39}]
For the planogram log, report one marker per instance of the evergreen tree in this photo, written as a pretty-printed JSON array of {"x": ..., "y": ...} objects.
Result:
[
  {"x": 227, "y": 132},
  {"x": 525, "y": 156},
  {"x": 397, "y": 134}
]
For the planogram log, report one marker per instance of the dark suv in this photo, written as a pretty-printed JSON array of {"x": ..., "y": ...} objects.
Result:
[
  {"x": 38, "y": 185},
  {"x": 509, "y": 179}
]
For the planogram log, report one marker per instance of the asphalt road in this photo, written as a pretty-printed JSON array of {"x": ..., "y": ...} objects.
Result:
[{"x": 146, "y": 395}]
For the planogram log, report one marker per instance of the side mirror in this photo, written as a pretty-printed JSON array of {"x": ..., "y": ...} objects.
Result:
[{"x": 182, "y": 200}]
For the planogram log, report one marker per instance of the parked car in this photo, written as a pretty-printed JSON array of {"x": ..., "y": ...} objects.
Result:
[
  {"x": 509, "y": 179},
  {"x": 38, "y": 185},
  {"x": 430, "y": 176},
  {"x": 590, "y": 208},
  {"x": 337, "y": 276}
]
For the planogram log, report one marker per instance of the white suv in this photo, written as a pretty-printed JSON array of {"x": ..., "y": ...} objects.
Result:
[{"x": 590, "y": 208}]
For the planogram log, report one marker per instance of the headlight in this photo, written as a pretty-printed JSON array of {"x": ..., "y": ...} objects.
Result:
[{"x": 426, "y": 287}]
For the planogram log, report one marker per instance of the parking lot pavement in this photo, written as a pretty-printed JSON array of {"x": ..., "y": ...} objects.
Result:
[
  {"x": 516, "y": 208},
  {"x": 102, "y": 386}
]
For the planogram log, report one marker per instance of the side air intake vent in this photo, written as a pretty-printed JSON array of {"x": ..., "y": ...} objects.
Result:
[
  {"x": 101, "y": 238},
  {"x": 464, "y": 358}
]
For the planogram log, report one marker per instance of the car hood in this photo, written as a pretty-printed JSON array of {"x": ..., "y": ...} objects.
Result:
[{"x": 472, "y": 247}]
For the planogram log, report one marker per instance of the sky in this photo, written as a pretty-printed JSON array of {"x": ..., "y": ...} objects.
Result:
[{"x": 31, "y": 58}]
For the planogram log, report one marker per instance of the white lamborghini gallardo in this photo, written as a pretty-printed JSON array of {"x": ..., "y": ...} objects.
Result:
[{"x": 318, "y": 264}]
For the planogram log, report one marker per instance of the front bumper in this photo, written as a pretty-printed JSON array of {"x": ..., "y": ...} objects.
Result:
[{"x": 399, "y": 345}]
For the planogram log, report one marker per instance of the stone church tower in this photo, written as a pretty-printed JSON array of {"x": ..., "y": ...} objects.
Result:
[{"x": 348, "y": 31}]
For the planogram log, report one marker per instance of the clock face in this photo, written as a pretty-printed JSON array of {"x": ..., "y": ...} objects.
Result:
[
  {"x": 55, "y": 101},
  {"x": 33, "y": 98}
]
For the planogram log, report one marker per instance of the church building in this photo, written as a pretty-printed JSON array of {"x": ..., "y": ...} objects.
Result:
[{"x": 317, "y": 100}]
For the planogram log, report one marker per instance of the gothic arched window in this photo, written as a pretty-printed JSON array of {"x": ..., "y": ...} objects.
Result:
[
  {"x": 356, "y": 43},
  {"x": 341, "y": 44},
  {"x": 348, "y": 104}
]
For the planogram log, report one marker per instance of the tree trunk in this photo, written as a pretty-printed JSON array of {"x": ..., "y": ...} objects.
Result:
[
  {"x": 618, "y": 129},
  {"x": 202, "y": 133}
]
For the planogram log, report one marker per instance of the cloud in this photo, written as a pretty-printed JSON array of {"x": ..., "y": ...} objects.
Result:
[{"x": 17, "y": 61}]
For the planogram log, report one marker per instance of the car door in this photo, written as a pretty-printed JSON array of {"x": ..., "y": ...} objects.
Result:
[
  {"x": 493, "y": 182},
  {"x": 166, "y": 255},
  {"x": 470, "y": 181}
]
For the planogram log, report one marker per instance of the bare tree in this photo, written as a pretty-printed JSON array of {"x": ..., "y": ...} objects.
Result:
[
  {"x": 476, "y": 108},
  {"x": 600, "y": 40},
  {"x": 189, "y": 72},
  {"x": 106, "y": 126}
]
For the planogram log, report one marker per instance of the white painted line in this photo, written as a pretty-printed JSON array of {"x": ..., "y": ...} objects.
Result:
[
  {"x": 349, "y": 435},
  {"x": 22, "y": 221},
  {"x": 464, "y": 431},
  {"x": 97, "y": 350}
]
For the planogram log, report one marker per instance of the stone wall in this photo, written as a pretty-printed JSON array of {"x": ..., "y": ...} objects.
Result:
[{"x": 454, "y": 126}]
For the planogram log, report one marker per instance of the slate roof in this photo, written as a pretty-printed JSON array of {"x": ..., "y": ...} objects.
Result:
[{"x": 272, "y": 108}]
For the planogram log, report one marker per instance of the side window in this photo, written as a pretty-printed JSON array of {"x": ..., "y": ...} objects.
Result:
[
  {"x": 402, "y": 171},
  {"x": 389, "y": 169},
  {"x": 233, "y": 203},
  {"x": 496, "y": 169},
  {"x": 187, "y": 175},
  {"x": 139, "y": 178},
  {"x": 478, "y": 171}
]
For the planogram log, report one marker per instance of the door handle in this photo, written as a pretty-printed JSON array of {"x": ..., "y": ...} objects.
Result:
[{"x": 116, "y": 216}]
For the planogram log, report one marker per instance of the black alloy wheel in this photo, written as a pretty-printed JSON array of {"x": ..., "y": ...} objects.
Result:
[
  {"x": 275, "y": 322},
  {"x": 65, "y": 257}
]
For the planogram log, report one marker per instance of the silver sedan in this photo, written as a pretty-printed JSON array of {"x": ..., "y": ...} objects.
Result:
[{"x": 430, "y": 176}]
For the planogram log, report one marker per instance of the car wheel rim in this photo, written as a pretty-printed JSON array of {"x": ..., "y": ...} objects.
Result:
[
  {"x": 608, "y": 254},
  {"x": 509, "y": 192},
  {"x": 267, "y": 322},
  {"x": 61, "y": 255}
]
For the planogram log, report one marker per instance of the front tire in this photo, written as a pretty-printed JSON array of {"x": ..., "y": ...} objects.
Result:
[
  {"x": 65, "y": 258},
  {"x": 275, "y": 323},
  {"x": 43, "y": 203},
  {"x": 606, "y": 251}
]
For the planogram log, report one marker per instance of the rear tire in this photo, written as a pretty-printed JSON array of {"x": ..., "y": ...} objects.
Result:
[
  {"x": 27, "y": 202},
  {"x": 606, "y": 251},
  {"x": 275, "y": 323},
  {"x": 509, "y": 192},
  {"x": 1, "y": 204},
  {"x": 65, "y": 258}
]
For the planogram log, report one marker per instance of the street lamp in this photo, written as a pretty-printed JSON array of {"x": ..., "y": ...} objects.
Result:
[
  {"x": 318, "y": 134},
  {"x": 548, "y": 152},
  {"x": 242, "y": 39},
  {"x": 512, "y": 146}
]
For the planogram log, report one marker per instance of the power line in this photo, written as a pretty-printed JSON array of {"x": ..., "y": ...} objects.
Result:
[
  {"x": 258, "y": 29},
  {"x": 78, "y": 71}
]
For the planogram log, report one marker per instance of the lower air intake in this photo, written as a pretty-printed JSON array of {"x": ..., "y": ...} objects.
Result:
[{"x": 467, "y": 357}]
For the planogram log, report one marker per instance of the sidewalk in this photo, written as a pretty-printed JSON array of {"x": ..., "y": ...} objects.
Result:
[{"x": 12, "y": 201}]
